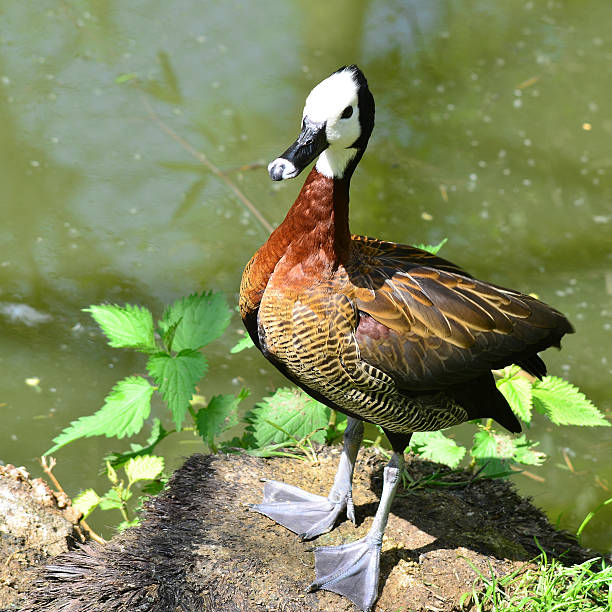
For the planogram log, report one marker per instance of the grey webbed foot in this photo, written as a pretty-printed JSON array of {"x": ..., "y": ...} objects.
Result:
[
  {"x": 350, "y": 570},
  {"x": 310, "y": 515},
  {"x": 304, "y": 513}
]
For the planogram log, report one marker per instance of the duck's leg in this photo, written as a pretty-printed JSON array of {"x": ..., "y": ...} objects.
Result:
[
  {"x": 352, "y": 569},
  {"x": 310, "y": 515}
]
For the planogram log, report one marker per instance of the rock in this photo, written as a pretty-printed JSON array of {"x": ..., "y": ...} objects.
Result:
[
  {"x": 35, "y": 523},
  {"x": 200, "y": 548}
]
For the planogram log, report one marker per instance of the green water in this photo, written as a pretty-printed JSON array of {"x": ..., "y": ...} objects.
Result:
[{"x": 492, "y": 130}]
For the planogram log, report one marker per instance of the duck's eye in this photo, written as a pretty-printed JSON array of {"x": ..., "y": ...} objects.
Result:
[{"x": 347, "y": 112}]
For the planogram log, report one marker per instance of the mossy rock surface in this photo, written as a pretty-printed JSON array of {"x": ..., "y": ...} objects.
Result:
[{"x": 201, "y": 548}]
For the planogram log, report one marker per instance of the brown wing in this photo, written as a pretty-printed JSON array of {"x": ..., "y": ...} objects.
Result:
[
  {"x": 429, "y": 325},
  {"x": 390, "y": 256}
]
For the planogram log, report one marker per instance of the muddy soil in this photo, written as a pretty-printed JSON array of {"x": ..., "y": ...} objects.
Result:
[{"x": 200, "y": 548}]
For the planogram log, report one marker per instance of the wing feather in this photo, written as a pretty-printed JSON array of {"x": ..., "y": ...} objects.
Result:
[{"x": 429, "y": 324}]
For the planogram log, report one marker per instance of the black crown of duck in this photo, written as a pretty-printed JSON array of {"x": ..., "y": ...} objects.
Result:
[{"x": 383, "y": 332}]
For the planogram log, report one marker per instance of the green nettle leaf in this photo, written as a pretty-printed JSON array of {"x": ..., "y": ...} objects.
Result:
[
  {"x": 125, "y": 326},
  {"x": 244, "y": 343},
  {"x": 517, "y": 391},
  {"x": 158, "y": 433},
  {"x": 434, "y": 445},
  {"x": 286, "y": 415},
  {"x": 218, "y": 416},
  {"x": 111, "y": 474},
  {"x": 144, "y": 467},
  {"x": 524, "y": 452},
  {"x": 168, "y": 334},
  {"x": 484, "y": 445},
  {"x": 153, "y": 488},
  {"x": 492, "y": 444},
  {"x": 86, "y": 501},
  {"x": 229, "y": 446},
  {"x": 176, "y": 377},
  {"x": 493, "y": 451},
  {"x": 199, "y": 319},
  {"x": 123, "y": 525},
  {"x": 432, "y": 248},
  {"x": 113, "y": 499},
  {"x": 496, "y": 451},
  {"x": 564, "y": 404},
  {"x": 123, "y": 414}
]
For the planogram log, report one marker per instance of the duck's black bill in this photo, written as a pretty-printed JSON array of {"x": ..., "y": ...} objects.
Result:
[{"x": 311, "y": 142}]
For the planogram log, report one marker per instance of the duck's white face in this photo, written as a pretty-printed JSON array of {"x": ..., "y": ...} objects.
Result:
[{"x": 333, "y": 102}]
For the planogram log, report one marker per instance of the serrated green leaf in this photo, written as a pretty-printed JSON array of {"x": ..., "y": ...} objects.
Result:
[
  {"x": 231, "y": 446},
  {"x": 434, "y": 445},
  {"x": 524, "y": 452},
  {"x": 123, "y": 525},
  {"x": 290, "y": 410},
  {"x": 111, "y": 474},
  {"x": 432, "y": 248},
  {"x": 492, "y": 451},
  {"x": 218, "y": 416},
  {"x": 508, "y": 372},
  {"x": 493, "y": 444},
  {"x": 169, "y": 334},
  {"x": 86, "y": 502},
  {"x": 144, "y": 467},
  {"x": 125, "y": 326},
  {"x": 517, "y": 391},
  {"x": 484, "y": 445},
  {"x": 497, "y": 451},
  {"x": 565, "y": 404},
  {"x": 126, "y": 408},
  {"x": 177, "y": 377},
  {"x": 199, "y": 319},
  {"x": 153, "y": 488},
  {"x": 244, "y": 343},
  {"x": 111, "y": 500},
  {"x": 158, "y": 433}
]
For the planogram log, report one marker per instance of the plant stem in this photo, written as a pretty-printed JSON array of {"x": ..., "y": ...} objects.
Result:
[
  {"x": 48, "y": 470},
  {"x": 333, "y": 416},
  {"x": 193, "y": 414}
]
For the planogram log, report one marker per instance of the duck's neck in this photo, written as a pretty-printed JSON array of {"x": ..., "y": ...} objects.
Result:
[
  {"x": 334, "y": 164},
  {"x": 339, "y": 163},
  {"x": 317, "y": 225},
  {"x": 310, "y": 244},
  {"x": 315, "y": 232}
]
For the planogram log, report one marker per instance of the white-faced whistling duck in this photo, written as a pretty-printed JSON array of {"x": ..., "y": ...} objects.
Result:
[{"x": 383, "y": 332}]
